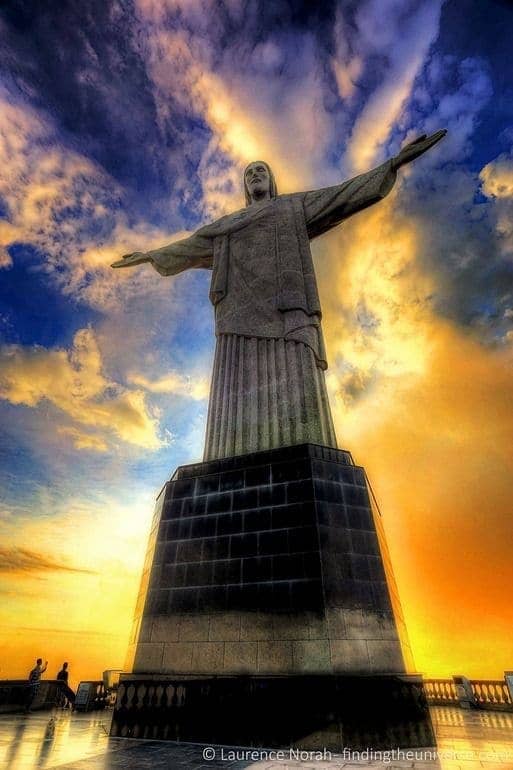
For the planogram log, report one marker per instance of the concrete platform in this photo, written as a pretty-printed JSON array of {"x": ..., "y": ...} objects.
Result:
[{"x": 466, "y": 741}]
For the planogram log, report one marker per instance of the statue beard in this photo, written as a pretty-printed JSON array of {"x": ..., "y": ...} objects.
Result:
[{"x": 260, "y": 192}]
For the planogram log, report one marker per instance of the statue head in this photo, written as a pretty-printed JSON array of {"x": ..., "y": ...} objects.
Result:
[{"x": 259, "y": 182}]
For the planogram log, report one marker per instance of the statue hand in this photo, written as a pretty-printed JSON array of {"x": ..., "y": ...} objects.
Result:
[
  {"x": 129, "y": 260},
  {"x": 416, "y": 148}
]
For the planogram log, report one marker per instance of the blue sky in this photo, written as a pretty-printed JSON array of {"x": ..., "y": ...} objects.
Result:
[{"x": 124, "y": 125}]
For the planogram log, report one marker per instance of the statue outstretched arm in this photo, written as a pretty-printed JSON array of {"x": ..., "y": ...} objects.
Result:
[
  {"x": 188, "y": 253},
  {"x": 326, "y": 208}
]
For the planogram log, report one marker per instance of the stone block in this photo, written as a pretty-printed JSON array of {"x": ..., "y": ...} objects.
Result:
[
  {"x": 177, "y": 657},
  {"x": 148, "y": 657},
  {"x": 354, "y": 620},
  {"x": 207, "y": 657},
  {"x": 240, "y": 657},
  {"x": 194, "y": 628},
  {"x": 256, "y": 626},
  {"x": 373, "y": 625},
  {"x": 224, "y": 627},
  {"x": 144, "y": 634},
  {"x": 312, "y": 656},
  {"x": 317, "y": 627},
  {"x": 349, "y": 655},
  {"x": 389, "y": 630},
  {"x": 289, "y": 626},
  {"x": 384, "y": 656},
  {"x": 336, "y": 623},
  {"x": 275, "y": 657},
  {"x": 165, "y": 628}
]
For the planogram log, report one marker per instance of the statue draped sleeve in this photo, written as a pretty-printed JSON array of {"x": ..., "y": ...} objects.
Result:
[
  {"x": 328, "y": 207},
  {"x": 193, "y": 252}
]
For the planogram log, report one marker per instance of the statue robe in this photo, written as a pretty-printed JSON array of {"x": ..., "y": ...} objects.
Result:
[{"x": 268, "y": 387}]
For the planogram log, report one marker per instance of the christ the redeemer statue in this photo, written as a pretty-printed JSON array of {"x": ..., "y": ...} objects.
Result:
[{"x": 268, "y": 387}]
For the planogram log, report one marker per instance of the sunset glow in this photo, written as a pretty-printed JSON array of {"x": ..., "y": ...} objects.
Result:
[{"x": 134, "y": 131}]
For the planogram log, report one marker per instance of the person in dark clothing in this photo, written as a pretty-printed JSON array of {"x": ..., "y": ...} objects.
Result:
[
  {"x": 66, "y": 691},
  {"x": 34, "y": 681}
]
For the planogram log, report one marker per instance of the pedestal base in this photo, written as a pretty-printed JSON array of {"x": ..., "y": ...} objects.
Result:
[
  {"x": 267, "y": 614},
  {"x": 308, "y": 712},
  {"x": 267, "y": 564}
]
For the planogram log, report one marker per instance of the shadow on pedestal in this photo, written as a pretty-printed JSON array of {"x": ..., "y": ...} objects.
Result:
[{"x": 309, "y": 712}]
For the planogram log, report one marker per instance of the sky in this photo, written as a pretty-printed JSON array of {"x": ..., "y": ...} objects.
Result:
[{"x": 125, "y": 125}]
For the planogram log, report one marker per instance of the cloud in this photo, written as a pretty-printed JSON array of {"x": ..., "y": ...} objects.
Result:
[
  {"x": 94, "y": 86},
  {"x": 288, "y": 125},
  {"x": 7, "y": 235},
  {"x": 497, "y": 183},
  {"x": 90, "y": 550},
  {"x": 83, "y": 440},
  {"x": 23, "y": 560},
  {"x": 462, "y": 240},
  {"x": 451, "y": 94},
  {"x": 347, "y": 66},
  {"x": 49, "y": 191},
  {"x": 68, "y": 208},
  {"x": 347, "y": 75},
  {"x": 5, "y": 260},
  {"x": 73, "y": 382},
  {"x": 403, "y": 36},
  {"x": 73, "y": 530},
  {"x": 175, "y": 383},
  {"x": 497, "y": 177},
  {"x": 375, "y": 298}
]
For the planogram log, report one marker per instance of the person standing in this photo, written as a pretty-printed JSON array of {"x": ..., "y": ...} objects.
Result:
[
  {"x": 34, "y": 682},
  {"x": 67, "y": 692}
]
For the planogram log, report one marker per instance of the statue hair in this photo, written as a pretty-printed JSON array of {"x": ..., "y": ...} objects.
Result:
[{"x": 273, "y": 190}]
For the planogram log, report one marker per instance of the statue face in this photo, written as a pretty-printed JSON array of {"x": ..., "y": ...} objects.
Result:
[{"x": 258, "y": 181}]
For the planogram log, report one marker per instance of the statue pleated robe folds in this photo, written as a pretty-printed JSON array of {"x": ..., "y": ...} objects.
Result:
[{"x": 268, "y": 388}]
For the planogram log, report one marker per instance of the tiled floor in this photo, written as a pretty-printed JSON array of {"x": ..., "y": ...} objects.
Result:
[{"x": 466, "y": 741}]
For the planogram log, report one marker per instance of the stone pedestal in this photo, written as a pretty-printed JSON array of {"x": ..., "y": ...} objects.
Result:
[{"x": 267, "y": 578}]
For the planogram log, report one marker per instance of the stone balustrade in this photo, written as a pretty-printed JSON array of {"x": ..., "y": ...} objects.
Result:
[
  {"x": 489, "y": 693},
  {"x": 14, "y": 693}
]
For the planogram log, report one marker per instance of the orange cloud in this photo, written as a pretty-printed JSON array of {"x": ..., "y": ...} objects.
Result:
[
  {"x": 73, "y": 381},
  {"x": 86, "y": 569},
  {"x": 23, "y": 560}
]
